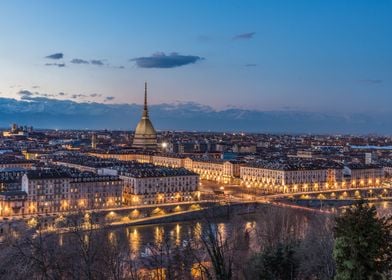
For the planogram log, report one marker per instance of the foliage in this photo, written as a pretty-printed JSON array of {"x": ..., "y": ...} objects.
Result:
[
  {"x": 363, "y": 244},
  {"x": 277, "y": 263}
]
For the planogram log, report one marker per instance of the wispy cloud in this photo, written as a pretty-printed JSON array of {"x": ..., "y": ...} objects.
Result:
[
  {"x": 27, "y": 95},
  {"x": 250, "y": 65},
  {"x": 97, "y": 62},
  {"x": 109, "y": 98},
  {"x": 244, "y": 36},
  {"x": 161, "y": 60},
  {"x": 77, "y": 96},
  {"x": 55, "y": 64},
  {"x": 79, "y": 61},
  {"x": 55, "y": 56},
  {"x": 35, "y": 95}
]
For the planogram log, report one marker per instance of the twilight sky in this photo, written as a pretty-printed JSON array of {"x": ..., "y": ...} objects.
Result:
[{"x": 322, "y": 56}]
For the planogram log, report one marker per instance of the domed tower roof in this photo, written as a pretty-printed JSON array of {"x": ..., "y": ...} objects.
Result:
[{"x": 145, "y": 134}]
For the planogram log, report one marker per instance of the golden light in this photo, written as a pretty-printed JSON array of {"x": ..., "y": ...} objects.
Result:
[
  {"x": 158, "y": 211},
  {"x": 32, "y": 222},
  {"x": 135, "y": 213},
  {"x": 81, "y": 203}
]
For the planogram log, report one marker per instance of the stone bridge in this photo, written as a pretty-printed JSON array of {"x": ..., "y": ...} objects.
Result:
[{"x": 341, "y": 194}]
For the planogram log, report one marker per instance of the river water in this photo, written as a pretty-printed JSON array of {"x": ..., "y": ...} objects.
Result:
[
  {"x": 180, "y": 233},
  {"x": 140, "y": 238}
]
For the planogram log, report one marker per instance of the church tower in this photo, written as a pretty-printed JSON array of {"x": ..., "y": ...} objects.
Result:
[{"x": 145, "y": 135}]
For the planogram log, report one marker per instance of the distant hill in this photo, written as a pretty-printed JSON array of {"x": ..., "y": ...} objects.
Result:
[{"x": 44, "y": 112}]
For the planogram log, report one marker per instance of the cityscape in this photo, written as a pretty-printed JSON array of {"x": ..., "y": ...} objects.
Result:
[{"x": 136, "y": 179}]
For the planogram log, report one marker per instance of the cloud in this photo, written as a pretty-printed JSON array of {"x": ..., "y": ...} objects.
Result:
[
  {"x": 371, "y": 81},
  {"x": 161, "y": 60},
  {"x": 250, "y": 65},
  {"x": 69, "y": 114},
  {"x": 109, "y": 98},
  {"x": 27, "y": 95},
  {"x": 55, "y": 56},
  {"x": 97, "y": 62},
  {"x": 30, "y": 95},
  {"x": 244, "y": 36},
  {"x": 25, "y": 92},
  {"x": 55, "y": 64},
  {"x": 76, "y": 96},
  {"x": 79, "y": 61}
]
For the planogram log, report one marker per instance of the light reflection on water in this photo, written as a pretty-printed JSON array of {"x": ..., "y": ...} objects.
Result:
[
  {"x": 178, "y": 234},
  {"x": 134, "y": 240}
]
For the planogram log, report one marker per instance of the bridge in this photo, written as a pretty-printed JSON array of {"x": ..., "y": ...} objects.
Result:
[{"x": 368, "y": 193}]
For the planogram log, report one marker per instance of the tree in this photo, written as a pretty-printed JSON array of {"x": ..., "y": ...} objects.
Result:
[
  {"x": 276, "y": 262},
  {"x": 363, "y": 244},
  {"x": 315, "y": 251}
]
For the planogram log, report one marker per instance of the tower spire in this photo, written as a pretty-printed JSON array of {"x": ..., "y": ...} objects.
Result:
[{"x": 145, "y": 110}]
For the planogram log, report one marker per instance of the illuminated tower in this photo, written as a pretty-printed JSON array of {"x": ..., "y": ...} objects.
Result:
[{"x": 145, "y": 135}]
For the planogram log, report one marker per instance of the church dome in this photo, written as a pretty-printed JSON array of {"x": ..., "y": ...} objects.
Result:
[{"x": 145, "y": 127}]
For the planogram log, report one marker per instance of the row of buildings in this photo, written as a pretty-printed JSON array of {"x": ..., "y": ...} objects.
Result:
[
  {"x": 79, "y": 182},
  {"x": 53, "y": 189},
  {"x": 275, "y": 175},
  {"x": 143, "y": 183}
]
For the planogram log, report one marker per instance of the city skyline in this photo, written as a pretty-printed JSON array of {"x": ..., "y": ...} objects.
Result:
[
  {"x": 199, "y": 139},
  {"x": 259, "y": 55}
]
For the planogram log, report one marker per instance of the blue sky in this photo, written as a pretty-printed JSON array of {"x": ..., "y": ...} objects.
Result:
[{"x": 322, "y": 56}]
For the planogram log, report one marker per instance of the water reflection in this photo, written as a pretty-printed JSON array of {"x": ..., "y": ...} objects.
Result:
[
  {"x": 134, "y": 240},
  {"x": 61, "y": 240},
  {"x": 140, "y": 238},
  {"x": 159, "y": 234}
]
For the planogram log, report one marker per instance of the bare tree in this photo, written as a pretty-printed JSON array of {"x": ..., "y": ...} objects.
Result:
[{"x": 315, "y": 250}]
